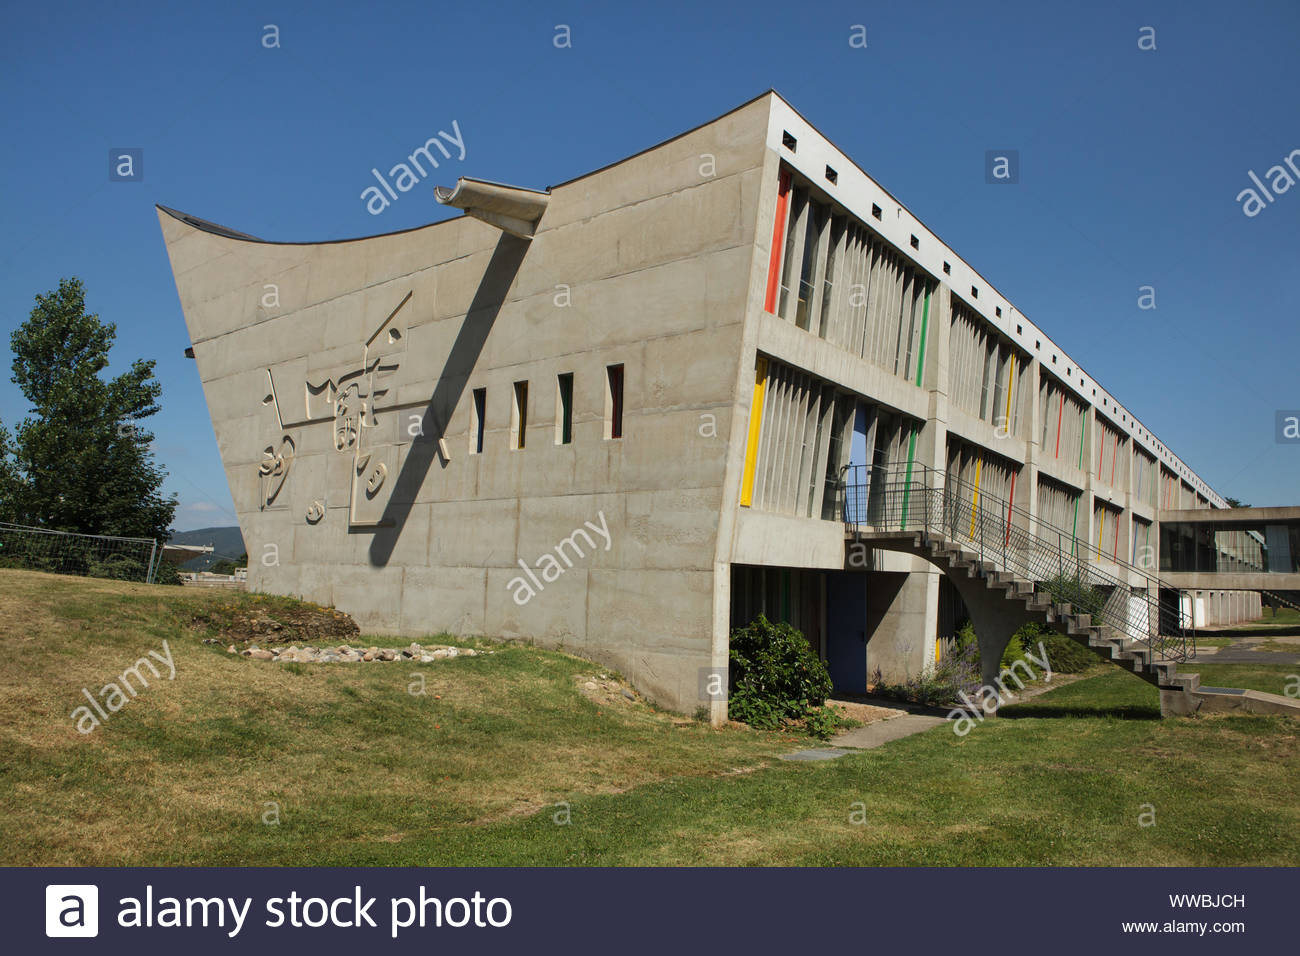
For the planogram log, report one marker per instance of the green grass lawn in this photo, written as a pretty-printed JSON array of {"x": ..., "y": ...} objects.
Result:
[
  {"x": 1283, "y": 617},
  {"x": 1272, "y": 678},
  {"x": 504, "y": 761}
]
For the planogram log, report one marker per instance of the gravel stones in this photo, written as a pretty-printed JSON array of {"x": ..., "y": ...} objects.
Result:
[{"x": 346, "y": 654}]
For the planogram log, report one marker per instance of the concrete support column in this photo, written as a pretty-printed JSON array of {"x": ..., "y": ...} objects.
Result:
[
  {"x": 902, "y": 620},
  {"x": 995, "y": 620},
  {"x": 1083, "y": 529}
]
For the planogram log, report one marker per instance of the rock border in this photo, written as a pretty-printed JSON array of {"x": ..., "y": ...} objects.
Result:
[{"x": 347, "y": 654}]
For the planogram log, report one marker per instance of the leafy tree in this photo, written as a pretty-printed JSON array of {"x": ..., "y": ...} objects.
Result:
[
  {"x": 82, "y": 462},
  {"x": 10, "y": 480},
  {"x": 1236, "y": 503}
]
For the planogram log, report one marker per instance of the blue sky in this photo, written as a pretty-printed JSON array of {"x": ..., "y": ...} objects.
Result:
[{"x": 1131, "y": 162}]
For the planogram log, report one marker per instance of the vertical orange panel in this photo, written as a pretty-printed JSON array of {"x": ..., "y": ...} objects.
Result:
[{"x": 778, "y": 241}]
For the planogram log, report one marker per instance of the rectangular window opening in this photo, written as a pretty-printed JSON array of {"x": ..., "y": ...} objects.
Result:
[
  {"x": 477, "y": 414},
  {"x": 788, "y": 141},
  {"x": 614, "y": 401},
  {"x": 519, "y": 416},
  {"x": 564, "y": 409}
]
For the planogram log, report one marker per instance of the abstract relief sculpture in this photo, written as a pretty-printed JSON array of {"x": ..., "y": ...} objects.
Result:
[{"x": 349, "y": 402}]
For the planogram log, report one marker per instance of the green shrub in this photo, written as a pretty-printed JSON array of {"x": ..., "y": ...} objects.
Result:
[
  {"x": 1064, "y": 656},
  {"x": 775, "y": 675},
  {"x": 965, "y": 639},
  {"x": 120, "y": 567},
  {"x": 1083, "y": 598}
]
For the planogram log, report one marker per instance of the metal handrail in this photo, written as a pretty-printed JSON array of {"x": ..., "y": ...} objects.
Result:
[{"x": 918, "y": 497}]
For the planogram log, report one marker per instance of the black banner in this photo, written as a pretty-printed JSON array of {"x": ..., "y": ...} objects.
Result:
[{"x": 647, "y": 910}]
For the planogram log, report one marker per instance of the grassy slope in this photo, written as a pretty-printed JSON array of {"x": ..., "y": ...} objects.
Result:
[{"x": 365, "y": 773}]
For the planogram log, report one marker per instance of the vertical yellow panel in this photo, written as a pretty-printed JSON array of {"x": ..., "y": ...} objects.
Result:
[
  {"x": 755, "y": 427},
  {"x": 975, "y": 501}
]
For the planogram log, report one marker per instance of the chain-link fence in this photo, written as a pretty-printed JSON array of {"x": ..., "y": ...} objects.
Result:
[{"x": 92, "y": 555}]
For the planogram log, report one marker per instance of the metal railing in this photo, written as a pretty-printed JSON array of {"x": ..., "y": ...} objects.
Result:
[
  {"x": 1279, "y": 599},
  {"x": 91, "y": 555},
  {"x": 919, "y": 498}
]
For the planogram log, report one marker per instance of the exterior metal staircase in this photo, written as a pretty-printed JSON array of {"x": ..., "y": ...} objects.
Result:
[
  {"x": 953, "y": 525},
  {"x": 1143, "y": 656},
  {"x": 1279, "y": 599}
]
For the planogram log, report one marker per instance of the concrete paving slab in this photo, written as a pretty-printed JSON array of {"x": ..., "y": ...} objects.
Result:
[{"x": 883, "y": 731}]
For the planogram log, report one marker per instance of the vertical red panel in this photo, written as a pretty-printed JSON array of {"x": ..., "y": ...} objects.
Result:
[
  {"x": 1060, "y": 414},
  {"x": 778, "y": 241}
]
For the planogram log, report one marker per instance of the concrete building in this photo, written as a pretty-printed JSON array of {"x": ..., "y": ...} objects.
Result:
[{"x": 625, "y": 413}]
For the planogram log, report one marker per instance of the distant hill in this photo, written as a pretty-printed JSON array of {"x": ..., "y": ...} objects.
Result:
[{"x": 226, "y": 543}]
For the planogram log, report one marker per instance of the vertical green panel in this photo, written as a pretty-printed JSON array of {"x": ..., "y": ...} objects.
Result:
[
  {"x": 925, "y": 322},
  {"x": 920, "y": 372},
  {"x": 907, "y": 481}
]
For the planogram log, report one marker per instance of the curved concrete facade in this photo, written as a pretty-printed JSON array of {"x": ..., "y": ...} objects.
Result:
[{"x": 341, "y": 380}]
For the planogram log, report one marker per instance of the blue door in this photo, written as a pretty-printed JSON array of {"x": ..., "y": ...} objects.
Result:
[{"x": 846, "y": 634}]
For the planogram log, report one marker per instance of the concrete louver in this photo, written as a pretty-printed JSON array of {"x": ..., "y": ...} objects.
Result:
[{"x": 511, "y": 209}]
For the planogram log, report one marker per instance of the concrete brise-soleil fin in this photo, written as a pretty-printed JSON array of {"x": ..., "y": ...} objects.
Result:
[{"x": 512, "y": 209}]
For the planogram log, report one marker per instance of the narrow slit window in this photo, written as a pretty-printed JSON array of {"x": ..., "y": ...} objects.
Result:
[
  {"x": 519, "y": 416},
  {"x": 564, "y": 409},
  {"x": 614, "y": 401},
  {"x": 478, "y": 412}
]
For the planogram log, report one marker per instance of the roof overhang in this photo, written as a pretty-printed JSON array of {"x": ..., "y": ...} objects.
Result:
[{"x": 511, "y": 209}]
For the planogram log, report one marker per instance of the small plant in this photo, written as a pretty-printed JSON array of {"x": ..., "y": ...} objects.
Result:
[
  {"x": 775, "y": 675},
  {"x": 952, "y": 676},
  {"x": 824, "y": 722}
]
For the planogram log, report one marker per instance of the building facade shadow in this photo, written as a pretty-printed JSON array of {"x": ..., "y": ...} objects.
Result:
[{"x": 491, "y": 294}]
